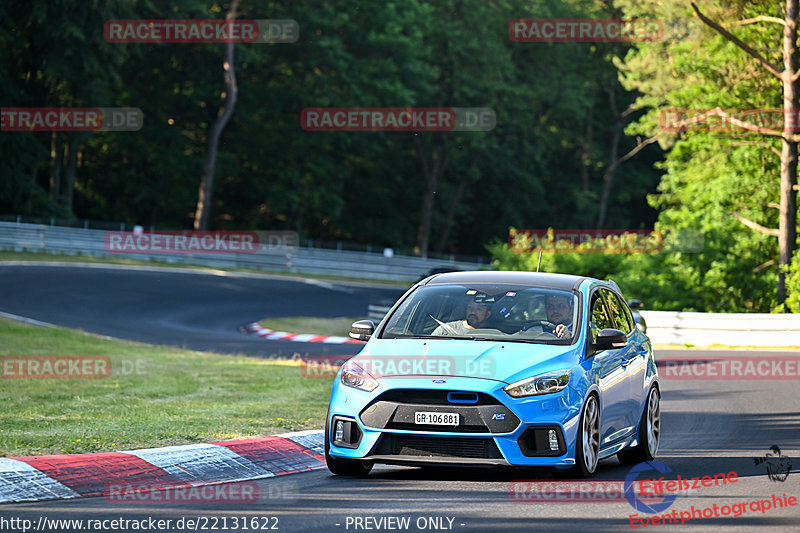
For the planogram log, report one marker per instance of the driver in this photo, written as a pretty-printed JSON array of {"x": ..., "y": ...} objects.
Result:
[
  {"x": 477, "y": 315},
  {"x": 559, "y": 312}
]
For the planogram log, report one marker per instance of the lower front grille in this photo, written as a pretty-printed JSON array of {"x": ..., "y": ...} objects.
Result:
[{"x": 418, "y": 446}]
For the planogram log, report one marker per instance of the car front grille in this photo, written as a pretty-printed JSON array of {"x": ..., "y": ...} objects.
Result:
[
  {"x": 433, "y": 397},
  {"x": 396, "y": 408},
  {"x": 423, "y": 446}
]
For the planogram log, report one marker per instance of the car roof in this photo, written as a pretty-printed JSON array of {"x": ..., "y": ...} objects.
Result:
[{"x": 534, "y": 279}]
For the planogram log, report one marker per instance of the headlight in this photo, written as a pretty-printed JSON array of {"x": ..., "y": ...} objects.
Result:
[
  {"x": 358, "y": 378},
  {"x": 541, "y": 384}
]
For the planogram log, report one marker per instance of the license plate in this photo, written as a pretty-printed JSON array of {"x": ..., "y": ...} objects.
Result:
[{"x": 436, "y": 419}]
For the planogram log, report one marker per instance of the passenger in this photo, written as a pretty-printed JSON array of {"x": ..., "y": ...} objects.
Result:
[{"x": 477, "y": 315}]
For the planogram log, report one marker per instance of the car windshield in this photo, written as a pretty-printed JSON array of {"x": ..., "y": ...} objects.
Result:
[{"x": 503, "y": 312}]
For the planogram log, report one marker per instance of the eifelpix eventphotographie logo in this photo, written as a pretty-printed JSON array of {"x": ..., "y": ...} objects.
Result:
[{"x": 777, "y": 465}]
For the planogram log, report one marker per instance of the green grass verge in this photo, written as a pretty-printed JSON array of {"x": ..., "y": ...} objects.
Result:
[
  {"x": 155, "y": 396},
  {"x": 307, "y": 324}
]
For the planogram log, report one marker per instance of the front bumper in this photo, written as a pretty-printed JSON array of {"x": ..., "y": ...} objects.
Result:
[{"x": 495, "y": 428}]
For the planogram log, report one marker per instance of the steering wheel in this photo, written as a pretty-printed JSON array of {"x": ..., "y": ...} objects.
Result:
[{"x": 544, "y": 323}]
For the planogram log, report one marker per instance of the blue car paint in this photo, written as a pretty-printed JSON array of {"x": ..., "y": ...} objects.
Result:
[{"x": 622, "y": 390}]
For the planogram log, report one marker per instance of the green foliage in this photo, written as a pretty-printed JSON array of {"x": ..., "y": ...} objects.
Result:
[
  {"x": 328, "y": 185},
  {"x": 711, "y": 176},
  {"x": 793, "y": 285},
  {"x": 685, "y": 275}
]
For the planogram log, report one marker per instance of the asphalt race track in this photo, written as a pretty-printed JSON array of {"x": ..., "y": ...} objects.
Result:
[
  {"x": 191, "y": 309},
  {"x": 708, "y": 427}
]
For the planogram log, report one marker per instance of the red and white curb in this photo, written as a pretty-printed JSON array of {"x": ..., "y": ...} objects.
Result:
[
  {"x": 265, "y": 333},
  {"x": 90, "y": 474}
]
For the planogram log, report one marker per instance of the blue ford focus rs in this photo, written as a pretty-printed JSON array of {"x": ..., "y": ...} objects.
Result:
[{"x": 497, "y": 368}]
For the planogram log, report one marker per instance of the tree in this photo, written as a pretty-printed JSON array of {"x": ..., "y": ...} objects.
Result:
[
  {"x": 206, "y": 190},
  {"x": 787, "y": 231},
  {"x": 712, "y": 179},
  {"x": 39, "y": 70}
]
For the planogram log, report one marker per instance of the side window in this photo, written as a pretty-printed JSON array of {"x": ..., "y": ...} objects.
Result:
[
  {"x": 619, "y": 312},
  {"x": 600, "y": 320}
]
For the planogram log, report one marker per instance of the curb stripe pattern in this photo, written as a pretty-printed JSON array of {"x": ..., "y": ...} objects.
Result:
[
  {"x": 202, "y": 463},
  {"x": 89, "y": 474},
  {"x": 264, "y": 333},
  {"x": 277, "y": 455},
  {"x": 21, "y": 482}
]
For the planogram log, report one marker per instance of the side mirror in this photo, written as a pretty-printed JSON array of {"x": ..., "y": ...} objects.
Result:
[
  {"x": 610, "y": 338},
  {"x": 635, "y": 304},
  {"x": 362, "y": 330}
]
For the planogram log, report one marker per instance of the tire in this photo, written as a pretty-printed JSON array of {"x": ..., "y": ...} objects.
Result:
[
  {"x": 343, "y": 467},
  {"x": 587, "y": 443},
  {"x": 649, "y": 432}
]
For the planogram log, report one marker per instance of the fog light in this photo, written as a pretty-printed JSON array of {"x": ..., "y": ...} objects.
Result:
[
  {"x": 339, "y": 431},
  {"x": 553, "y": 438}
]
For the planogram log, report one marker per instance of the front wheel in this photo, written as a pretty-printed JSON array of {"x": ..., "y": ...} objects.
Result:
[
  {"x": 649, "y": 432},
  {"x": 587, "y": 444},
  {"x": 343, "y": 467},
  {"x": 347, "y": 467}
]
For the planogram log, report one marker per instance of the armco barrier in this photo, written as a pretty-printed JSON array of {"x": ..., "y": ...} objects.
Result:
[
  {"x": 732, "y": 329},
  {"x": 377, "y": 312},
  {"x": 23, "y": 237},
  {"x": 704, "y": 329}
]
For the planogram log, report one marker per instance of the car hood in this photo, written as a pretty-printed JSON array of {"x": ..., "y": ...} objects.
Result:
[{"x": 499, "y": 361}]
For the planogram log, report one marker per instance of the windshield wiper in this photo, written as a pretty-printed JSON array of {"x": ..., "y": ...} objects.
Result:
[{"x": 446, "y": 327}]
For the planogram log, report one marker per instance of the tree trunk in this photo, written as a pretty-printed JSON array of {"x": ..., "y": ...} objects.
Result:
[
  {"x": 68, "y": 185},
  {"x": 451, "y": 211},
  {"x": 787, "y": 228},
  {"x": 432, "y": 173},
  {"x": 586, "y": 152},
  {"x": 203, "y": 213},
  {"x": 56, "y": 157},
  {"x": 34, "y": 179},
  {"x": 613, "y": 162}
]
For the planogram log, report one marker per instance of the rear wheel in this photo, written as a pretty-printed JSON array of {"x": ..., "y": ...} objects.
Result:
[
  {"x": 587, "y": 444},
  {"x": 649, "y": 432},
  {"x": 343, "y": 467}
]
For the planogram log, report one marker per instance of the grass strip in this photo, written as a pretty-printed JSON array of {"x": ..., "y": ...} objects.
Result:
[
  {"x": 339, "y": 326},
  {"x": 155, "y": 396}
]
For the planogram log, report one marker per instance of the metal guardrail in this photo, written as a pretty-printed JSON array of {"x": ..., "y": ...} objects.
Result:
[
  {"x": 377, "y": 312},
  {"x": 732, "y": 329},
  {"x": 703, "y": 329},
  {"x": 23, "y": 237}
]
